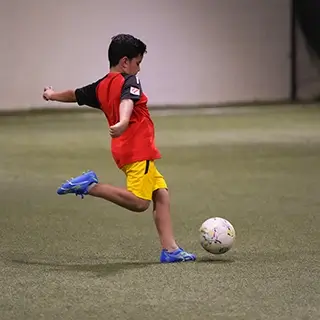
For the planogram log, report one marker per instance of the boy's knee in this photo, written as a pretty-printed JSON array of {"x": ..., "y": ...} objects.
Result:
[{"x": 141, "y": 205}]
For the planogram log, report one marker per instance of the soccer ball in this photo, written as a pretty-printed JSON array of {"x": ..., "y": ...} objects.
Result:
[{"x": 217, "y": 235}]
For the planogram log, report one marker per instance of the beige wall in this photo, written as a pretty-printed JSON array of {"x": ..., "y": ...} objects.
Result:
[{"x": 199, "y": 51}]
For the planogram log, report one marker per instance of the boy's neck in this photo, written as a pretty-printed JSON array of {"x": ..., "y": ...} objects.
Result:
[{"x": 116, "y": 69}]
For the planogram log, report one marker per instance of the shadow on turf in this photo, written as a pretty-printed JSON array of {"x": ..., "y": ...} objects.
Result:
[
  {"x": 100, "y": 269},
  {"x": 104, "y": 269},
  {"x": 215, "y": 260}
]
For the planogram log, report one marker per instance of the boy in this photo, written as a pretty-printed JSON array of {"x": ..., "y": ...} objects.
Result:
[{"x": 120, "y": 97}]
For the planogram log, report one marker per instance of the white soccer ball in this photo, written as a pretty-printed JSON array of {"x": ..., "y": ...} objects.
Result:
[{"x": 217, "y": 235}]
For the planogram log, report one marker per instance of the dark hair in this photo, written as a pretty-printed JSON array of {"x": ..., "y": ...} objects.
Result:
[{"x": 125, "y": 45}]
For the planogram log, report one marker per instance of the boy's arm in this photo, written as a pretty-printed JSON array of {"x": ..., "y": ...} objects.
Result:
[
  {"x": 65, "y": 96},
  {"x": 130, "y": 94},
  {"x": 82, "y": 96},
  {"x": 125, "y": 110}
]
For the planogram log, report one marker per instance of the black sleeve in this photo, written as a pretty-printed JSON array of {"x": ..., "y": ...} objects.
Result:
[
  {"x": 131, "y": 88},
  {"x": 87, "y": 95}
]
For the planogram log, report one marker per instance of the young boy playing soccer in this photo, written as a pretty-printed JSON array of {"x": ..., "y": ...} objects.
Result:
[{"x": 120, "y": 97}]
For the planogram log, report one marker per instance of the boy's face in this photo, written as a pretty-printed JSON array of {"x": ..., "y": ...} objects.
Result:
[{"x": 132, "y": 66}]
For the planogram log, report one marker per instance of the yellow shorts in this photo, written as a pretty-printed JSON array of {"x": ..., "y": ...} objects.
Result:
[{"x": 143, "y": 179}]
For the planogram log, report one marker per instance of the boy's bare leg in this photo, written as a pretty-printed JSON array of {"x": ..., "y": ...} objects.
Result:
[
  {"x": 119, "y": 196},
  {"x": 88, "y": 183},
  {"x": 162, "y": 219},
  {"x": 161, "y": 212}
]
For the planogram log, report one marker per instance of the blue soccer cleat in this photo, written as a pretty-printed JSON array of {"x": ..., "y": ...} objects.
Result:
[
  {"x": 79, "y": 185},
  {"x": 178, "y": 255}
]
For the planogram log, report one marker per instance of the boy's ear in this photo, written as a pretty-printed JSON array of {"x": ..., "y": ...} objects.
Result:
[{"x": 123, "y": 61}]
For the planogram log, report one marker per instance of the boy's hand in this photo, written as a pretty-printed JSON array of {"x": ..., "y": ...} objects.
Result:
[
  {"x": 118, "y": 129},
  {"x": 47, "y": 93}
]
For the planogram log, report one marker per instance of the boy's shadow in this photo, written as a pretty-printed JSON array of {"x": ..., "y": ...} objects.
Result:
[
  {"x": 100, "y": 269},
  {"x": 106, "y": 268}
]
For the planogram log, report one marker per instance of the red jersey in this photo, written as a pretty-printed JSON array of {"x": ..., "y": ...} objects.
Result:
[{"x": 137, "y": 143}]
